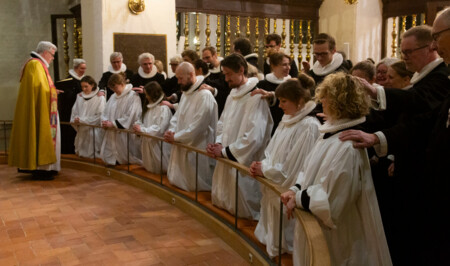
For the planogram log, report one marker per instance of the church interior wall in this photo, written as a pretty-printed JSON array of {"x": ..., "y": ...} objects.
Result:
[{"x": 23, "y": 24}]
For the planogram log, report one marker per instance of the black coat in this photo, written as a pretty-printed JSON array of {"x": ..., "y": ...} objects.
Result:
[{"x": 103, "y": 83}]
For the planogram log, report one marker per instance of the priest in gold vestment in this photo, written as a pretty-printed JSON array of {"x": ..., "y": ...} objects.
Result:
[{"x": 35, "y": 136}]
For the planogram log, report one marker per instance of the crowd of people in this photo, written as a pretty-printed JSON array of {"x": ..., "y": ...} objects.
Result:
[{"x": 364, "y": 147}]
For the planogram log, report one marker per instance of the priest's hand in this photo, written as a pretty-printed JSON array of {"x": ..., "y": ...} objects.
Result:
[
  {"x": 214, "y": 150},
  {"x": 207, "y": 87},
  {"x": 100, "y": 93},
  {"x": 137, "y": 127},
  {"x": 360, "y": 138},
  {"x": 139, "y": 89},
  {"x": 306, "y": 66},
  {"x": 255, "y": 169},
  {"x": 370, "y": 90},
  {"x": 322, "y": 115},
  {"x": 166, "y": 103},
  {"x": 264, "y": 94},
  {"x": 169, "y": 136},
  {"x": 107, "y": 124}
]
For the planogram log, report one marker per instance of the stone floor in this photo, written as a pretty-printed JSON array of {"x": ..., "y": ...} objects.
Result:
[{"x": 86, "y": 219}]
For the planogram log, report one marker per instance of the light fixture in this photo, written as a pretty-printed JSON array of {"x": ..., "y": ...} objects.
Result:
[
  {"x": 351, "y": 2},
  {"x": 136, "y": 6}
]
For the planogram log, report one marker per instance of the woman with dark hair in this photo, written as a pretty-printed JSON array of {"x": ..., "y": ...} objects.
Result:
[
  {"x": 88, "y": 109},
  {"x": 398, "y": 77},
  {"x": 155, "y": 121},
  {"x": 122, "y": 110},
  {"x": 336, "y": 185},
  {"x": 284, "y": 157},
  {"x": 280, "y": 64}
]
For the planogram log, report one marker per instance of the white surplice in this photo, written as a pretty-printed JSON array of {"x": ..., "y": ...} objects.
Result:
[
  {"x": 244, "y": 131},
  {"x": 294, "y": 138},
  {"x": 88, "y": 108},
  {"x": 122, "y": 111},
  {"x": 338, "y": 182},
  {"x": 155, "y": 122},
  {"x": 194, "y": 124}
]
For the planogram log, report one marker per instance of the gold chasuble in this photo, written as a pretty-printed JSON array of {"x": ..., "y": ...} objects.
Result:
[{"x": 33, "y": 134}]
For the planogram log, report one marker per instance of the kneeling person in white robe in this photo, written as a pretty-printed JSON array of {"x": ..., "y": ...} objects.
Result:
[
  {"x": 88, "y": 109},
  {"x": 292, "y": 142},
  {"x": 122, "y": 110},
  {"x": 194, "y": 124},
  {"x": 336, "y": 183},
  {"x": 155, "y": 121},
  {"x": 243, "y": 133}
]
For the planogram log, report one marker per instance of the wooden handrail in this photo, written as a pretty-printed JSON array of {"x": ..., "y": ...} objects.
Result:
[{"x": 318, "y": 247}]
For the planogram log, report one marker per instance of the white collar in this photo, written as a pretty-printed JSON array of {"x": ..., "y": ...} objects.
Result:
[
  {"x": 75, "y": 75},
  {"x": 127, "y": 89},
  {"x": 288, "y": 120},
  {"x": 244, "y": 89},
  {"x": 251, "y": 55},
  {"x": 42, "y": 59},
  {"x": 207, "y": 75},
  {"x": 195, "y": 85},
  {"x": 151, "y": 105},
  {"x": 90, "y": 95},
  {"x": 273, "y": 79},
  {"x": 333, "y": 126},
  {"x": 215, "y": 70},
  {"x": 426, "y": 70},
  {"x": 407, "y": 87},
  {"x": 332, "y": 66},
  {"x": 123, "y": 68},
  {"x": 149, "y": 75}
]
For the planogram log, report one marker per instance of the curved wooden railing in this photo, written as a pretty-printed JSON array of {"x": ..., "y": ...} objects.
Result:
[{"x": 318, "y": 248}]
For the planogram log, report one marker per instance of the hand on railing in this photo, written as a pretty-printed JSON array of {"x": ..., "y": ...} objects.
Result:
[
  {"x": 76, "y": 120},
  {"x": 169, "y": 136},
  {"x": 288, "y": 199},
  {"x": 214, "y": 150},
  {"x": 255, "y": 169},
  {"x": 107, "y": 124},
  {"x": 137, "y": 127}
]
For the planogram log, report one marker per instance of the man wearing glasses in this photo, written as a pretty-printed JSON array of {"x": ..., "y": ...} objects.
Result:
[
  {"x": 420, "y": 144},
  {"x": 327, "y": 60},
  {"x": 35, "y": 145}
]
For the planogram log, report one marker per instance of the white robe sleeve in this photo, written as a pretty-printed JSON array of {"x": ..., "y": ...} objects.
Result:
[
  {"x": 162, "y": 123},
  {"x": 201, "y": 119},
  {"x": 93, "y": 117},
  {"x": 257, "y": 119},
  {"x": 338, "y": 184},
  {"x": 219, "y": 128},
  {"x": 132, "y": 114}
]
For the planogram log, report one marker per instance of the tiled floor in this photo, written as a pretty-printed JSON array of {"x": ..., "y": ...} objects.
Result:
[{"x": 86, "y": 219}]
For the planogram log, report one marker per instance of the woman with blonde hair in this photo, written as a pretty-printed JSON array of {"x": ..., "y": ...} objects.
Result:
[{"x": 336, "y": 184}]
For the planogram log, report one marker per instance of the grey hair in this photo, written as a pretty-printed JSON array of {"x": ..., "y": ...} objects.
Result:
[
  {"x": 445, "y": 15},
  {"x": 387, "y": 61},
  {"x": 146, "y": 56},
  {"x": 176, "y": 59},
  {"x": 78, "y": 61},
  {"x": 115, "y": 55},
  {"x": 45, "y": 46}
]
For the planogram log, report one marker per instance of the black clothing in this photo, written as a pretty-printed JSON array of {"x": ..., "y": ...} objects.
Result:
[
  {"x": 137, "y": 81},
  {"x": 71, "y": 87},
  {"x": 217, "y": 80},
  {"x": 103, "y": 83},
  {"x": 171, "y": 86},
  {"x": 276, "y": 112},
  {"x": 318, "y": 79}
]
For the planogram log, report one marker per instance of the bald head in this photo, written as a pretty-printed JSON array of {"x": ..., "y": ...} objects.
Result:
[
  {"x": 185, "y": 74},
  {"x": 441, "y": 34}
]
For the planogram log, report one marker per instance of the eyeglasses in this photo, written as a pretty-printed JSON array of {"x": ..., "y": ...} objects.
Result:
[
  {"x": 320, "y": 54},
  {"x": 410, "y": 51},
  {"x": 437, "y": 34}
]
